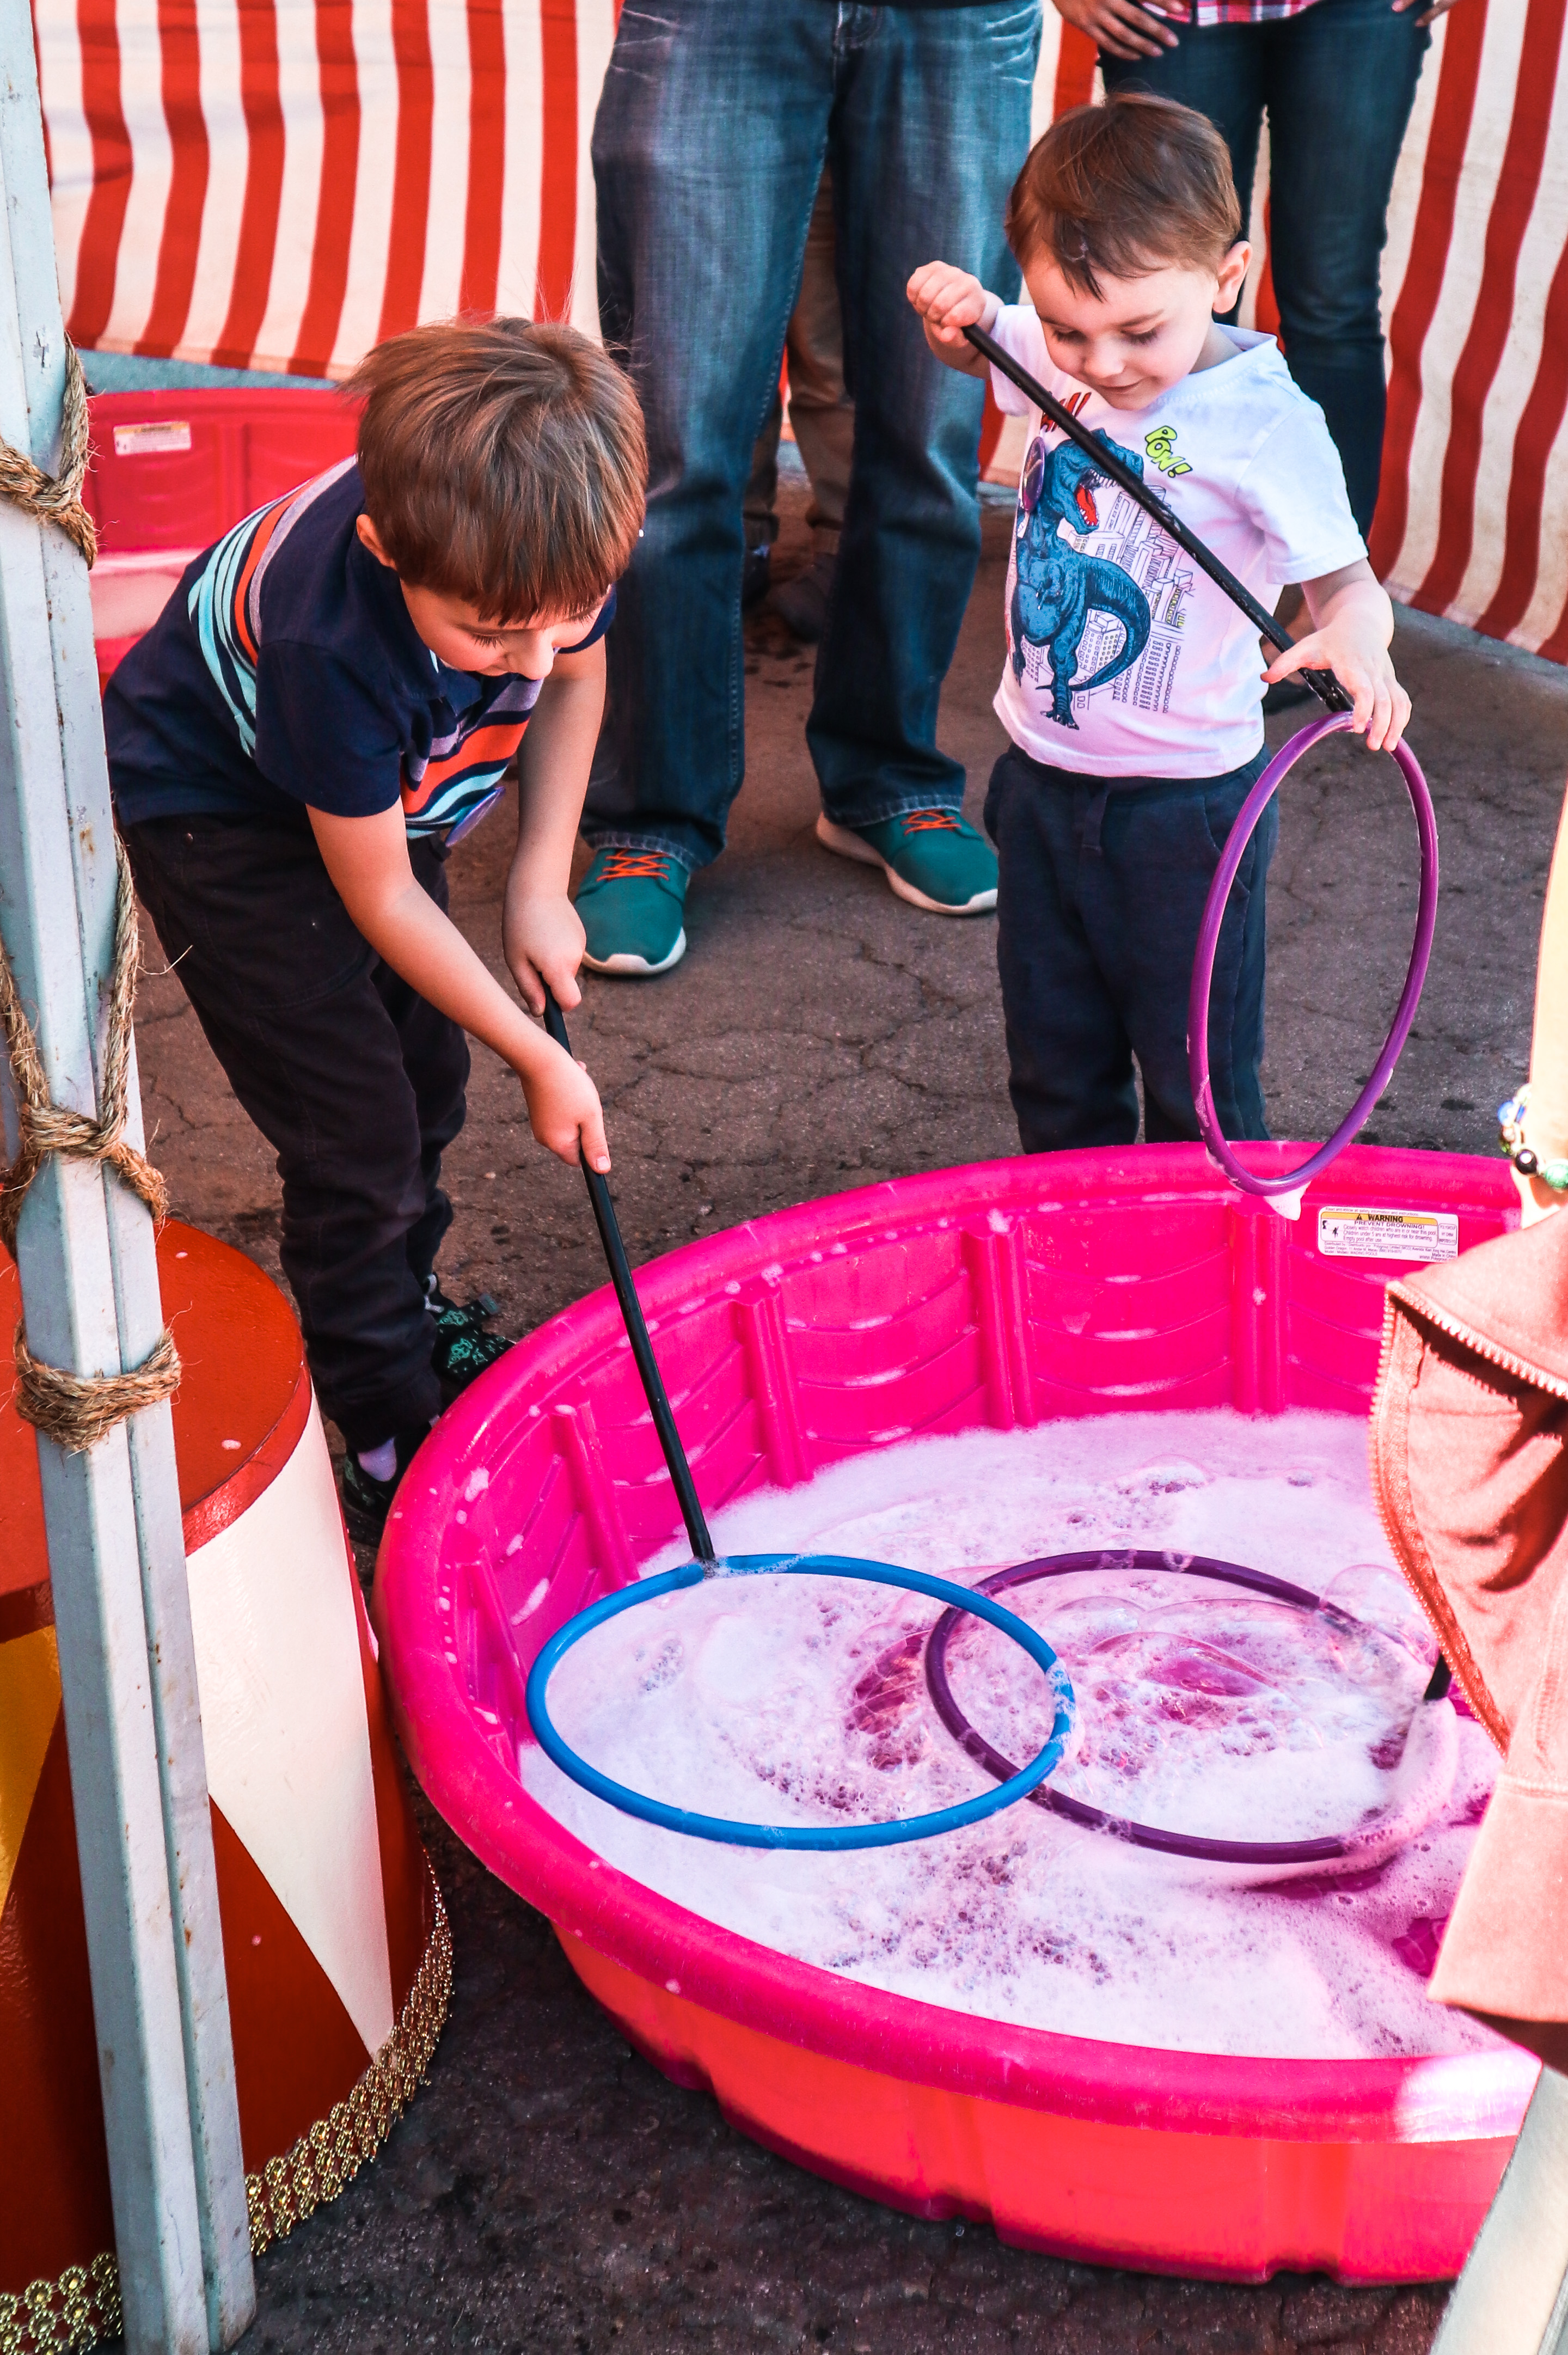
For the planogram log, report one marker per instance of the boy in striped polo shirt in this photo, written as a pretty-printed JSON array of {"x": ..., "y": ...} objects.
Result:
[{"x": 331, "y": 698}]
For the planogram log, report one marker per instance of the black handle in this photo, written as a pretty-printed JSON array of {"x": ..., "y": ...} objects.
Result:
[
  {"x": 1323, "y": 683},
  {"x": 653, "y": 1390}
]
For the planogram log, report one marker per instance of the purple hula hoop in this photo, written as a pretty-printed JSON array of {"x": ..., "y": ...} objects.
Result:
[
  {"x": 1064, "y": 1565},
  {"x": 1236, "y": 842}
]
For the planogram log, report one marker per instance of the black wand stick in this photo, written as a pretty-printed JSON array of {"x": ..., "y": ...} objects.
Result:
[
  {"x": 653, "y": 1390},
  {"x": 1323, "y": 683}
]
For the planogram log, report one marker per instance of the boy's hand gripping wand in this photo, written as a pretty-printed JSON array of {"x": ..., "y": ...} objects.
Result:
[
  {"x": 1285, "y": 1190},
  {"x": 648, "y": 1364},
  {"x": 706, "y": 1565}
]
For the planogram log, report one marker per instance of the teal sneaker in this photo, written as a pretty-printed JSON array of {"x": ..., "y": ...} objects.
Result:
[
  {"x": 930, "y": 857},
  {"x": 633, "y": 905}
]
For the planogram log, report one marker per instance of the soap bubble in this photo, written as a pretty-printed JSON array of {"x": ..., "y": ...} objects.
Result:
[
  {"x": 1377, "y": 1596},
  {"x": 1179, "y": 1661},
  {"x": 1267, "y": 1637},
  {"x": 1088, "y": 1619},
  {"x": 1167, "y": 1476}
]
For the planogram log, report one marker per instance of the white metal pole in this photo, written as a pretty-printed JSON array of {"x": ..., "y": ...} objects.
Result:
[
  {"x": 89, "y": 1290},
  {"x": 1512, "y": 2297}
]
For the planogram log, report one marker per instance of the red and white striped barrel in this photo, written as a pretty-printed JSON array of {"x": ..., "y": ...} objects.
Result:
[{"x": 337, "y": 1951}]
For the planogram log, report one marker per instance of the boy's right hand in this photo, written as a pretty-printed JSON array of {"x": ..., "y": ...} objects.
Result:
[
  {"x": 564, "y": 1110},
  {"x": 543, "y": 940},
  {"x": 949, "y": 299}
]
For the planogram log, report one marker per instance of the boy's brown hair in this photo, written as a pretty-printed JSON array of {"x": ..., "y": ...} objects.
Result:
[
  {"x": 1136, "y": 185},
  {"x": 503, "y": 463}
]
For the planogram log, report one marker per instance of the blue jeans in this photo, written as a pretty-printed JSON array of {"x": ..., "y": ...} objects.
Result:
[
  {"x": 714, "y": 122},
  {"x": 1337, "y": 84},
  {"x": 1102, "y": 889}
]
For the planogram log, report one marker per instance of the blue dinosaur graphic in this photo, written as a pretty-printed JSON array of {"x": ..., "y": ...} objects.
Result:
[{"x": 1057, "y": 586}]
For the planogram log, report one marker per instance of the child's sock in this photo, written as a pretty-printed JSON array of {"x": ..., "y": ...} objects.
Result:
[{"x": 381, "y": 1463}]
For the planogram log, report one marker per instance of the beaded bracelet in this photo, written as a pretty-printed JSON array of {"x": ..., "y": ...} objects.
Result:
[{"x": 1525, "y": 1159}]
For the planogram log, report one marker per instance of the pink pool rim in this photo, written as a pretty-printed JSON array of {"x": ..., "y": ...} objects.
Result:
[{"x": 1002, "y": 1294}]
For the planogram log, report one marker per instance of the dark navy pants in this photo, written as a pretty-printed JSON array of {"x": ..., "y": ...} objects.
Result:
[
  {"x": 1101, "y": 896},
  {"x": 354, "y": 1079}
]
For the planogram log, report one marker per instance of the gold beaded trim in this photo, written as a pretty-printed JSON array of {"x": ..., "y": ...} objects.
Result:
[
  {"x": 79, "y": 2309},
  {"x": 82, "y": 2306},
  {"x": 290, "y": 2189}
]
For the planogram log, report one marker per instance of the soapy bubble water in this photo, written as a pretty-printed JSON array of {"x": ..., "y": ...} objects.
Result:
[{"x": 1207, "y": 1709}]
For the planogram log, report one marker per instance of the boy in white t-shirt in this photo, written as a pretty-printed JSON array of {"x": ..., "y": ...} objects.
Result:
[{"x": 1132, "y": 691}]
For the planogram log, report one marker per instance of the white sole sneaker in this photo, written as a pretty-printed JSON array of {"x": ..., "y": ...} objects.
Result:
[
  {"x": 839, "y": 840},
  {"x": 636, "y": 968}
]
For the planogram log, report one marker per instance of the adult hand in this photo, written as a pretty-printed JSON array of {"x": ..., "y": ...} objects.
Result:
[
  {"x": 1429, "y": 15},
  {"x": 1122, "y": 30},
  {"x": 1537, "y": 1199}
]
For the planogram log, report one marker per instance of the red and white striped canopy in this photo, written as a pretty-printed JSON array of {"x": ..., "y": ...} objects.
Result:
[{"x": 280, "y": 183}]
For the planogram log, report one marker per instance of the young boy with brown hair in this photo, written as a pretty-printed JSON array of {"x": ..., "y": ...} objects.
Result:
[
  {"x": 331, "y": 698},
  {"x": 1131, "y": 690}
]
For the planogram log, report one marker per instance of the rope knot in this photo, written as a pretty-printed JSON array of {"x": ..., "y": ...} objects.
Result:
[
  {"x": 77, "y": 1411},
  {"x": 57, "y": 498}
]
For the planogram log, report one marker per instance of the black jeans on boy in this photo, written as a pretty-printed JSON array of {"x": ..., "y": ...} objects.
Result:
[
  {"x": 1103, "y": 883},
  {"x": 349, "y": 1074}
]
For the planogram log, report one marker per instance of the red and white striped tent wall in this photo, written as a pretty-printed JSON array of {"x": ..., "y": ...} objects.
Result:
[{"x": 278, "y": 183}]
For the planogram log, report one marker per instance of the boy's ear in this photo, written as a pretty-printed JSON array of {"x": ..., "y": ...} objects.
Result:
[
  {"x": 1229, "y": 279},
  {"x": 371, "y": 539}
]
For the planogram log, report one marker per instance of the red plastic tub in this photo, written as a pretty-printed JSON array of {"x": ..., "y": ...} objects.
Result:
[
  {"x": 172, "y": 471},
  {"x": 1069, "y": 1284}
]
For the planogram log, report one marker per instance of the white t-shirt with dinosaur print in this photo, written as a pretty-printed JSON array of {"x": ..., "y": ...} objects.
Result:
[{"x": 1124, "y": 659}]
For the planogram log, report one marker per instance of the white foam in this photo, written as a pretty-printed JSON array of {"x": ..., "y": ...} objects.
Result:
[{"x": 1201, "y": 1708}]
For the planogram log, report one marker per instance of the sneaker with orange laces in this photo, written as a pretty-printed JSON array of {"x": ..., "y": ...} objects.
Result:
[
  {"x": 930, "y": 856},
  {"x": 633, "y": 906}
]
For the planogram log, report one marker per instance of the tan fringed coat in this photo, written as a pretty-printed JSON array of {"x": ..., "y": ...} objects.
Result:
[{"x": 1469, "y": 1459}]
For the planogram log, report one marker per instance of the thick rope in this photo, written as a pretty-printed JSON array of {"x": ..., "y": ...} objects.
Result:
[
  {"x": 74, "y": 1410},
  {"x": 57, "y": 498}
]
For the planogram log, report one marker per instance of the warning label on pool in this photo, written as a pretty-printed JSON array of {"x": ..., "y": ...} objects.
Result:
[
  {"x": 145, "y": 440},
  {"x": 1387, "y": 1234}
]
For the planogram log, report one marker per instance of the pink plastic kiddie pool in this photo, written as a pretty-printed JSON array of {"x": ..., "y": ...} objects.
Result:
[{"x": 1004, "y": 1295}]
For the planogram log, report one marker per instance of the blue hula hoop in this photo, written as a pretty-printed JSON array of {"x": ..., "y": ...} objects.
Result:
[{"x": 800, "y": 1836}]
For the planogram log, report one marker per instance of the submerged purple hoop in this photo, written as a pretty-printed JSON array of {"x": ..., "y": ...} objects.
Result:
[
  {"x": 1236, "y": 842},
  {"x": 1281, "y": 1853}
]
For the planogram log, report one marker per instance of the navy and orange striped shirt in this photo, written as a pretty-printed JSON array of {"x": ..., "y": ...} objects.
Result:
[{"x": 285, "y": 671}]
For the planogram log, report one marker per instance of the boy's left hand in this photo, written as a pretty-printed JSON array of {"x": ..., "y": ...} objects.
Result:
[
  {"x": 1354, "y": 624},
  {"x": 1365, "y": 672},
  {"x": 544, "y": 940}
]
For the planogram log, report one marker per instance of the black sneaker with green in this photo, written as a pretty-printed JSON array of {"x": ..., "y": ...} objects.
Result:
[
  {"x": 367, "y": 1500},
  {"x": 463, "y": 1350}
]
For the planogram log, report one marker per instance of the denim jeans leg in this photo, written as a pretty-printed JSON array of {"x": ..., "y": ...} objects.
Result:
[
  {"x": 1341, "y": 83},
  {"x": 1218, "y": 70},
  {"x": 930, "y": 126},
  {"x": 707, "y": 149}
]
